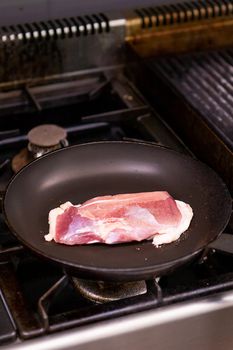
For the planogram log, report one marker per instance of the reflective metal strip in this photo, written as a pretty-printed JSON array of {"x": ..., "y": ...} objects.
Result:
[{"x": 141, "y": 330}]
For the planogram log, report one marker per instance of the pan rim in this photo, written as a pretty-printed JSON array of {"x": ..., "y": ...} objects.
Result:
[
  {"x": 103, "y": 270},
  {"x": 146, "y": 143}
]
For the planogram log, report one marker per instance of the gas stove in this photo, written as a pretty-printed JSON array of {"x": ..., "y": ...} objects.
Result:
[
  {"x": 38, "y": 298},
  {"x": 56, "y": 93}
]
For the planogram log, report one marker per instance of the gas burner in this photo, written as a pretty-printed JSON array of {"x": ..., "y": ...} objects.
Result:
[
  {"x": 102, "y": 292},
  {"x": 46, "y": 138},
  {"x": 42, "y": 139}
]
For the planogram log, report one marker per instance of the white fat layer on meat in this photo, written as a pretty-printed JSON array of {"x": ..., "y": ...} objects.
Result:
[
  {"x": 53, "y": 214},
  {"x": 173, "y": 233},
  {"x": 52, "y": 223},
  {"x": 98, "y": 201},
  {"x": 66, "y": 205}
]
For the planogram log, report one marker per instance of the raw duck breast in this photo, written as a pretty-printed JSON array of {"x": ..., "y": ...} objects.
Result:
[{"x": 120, "y": 218}]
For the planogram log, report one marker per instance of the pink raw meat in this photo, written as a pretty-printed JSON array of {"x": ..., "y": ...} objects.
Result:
[{"x": 120, "y": 218}]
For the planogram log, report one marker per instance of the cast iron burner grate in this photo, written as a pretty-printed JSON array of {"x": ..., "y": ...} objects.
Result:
[
  {"x": 56, "y": 304},
  {"x": 94, "y": 108}
]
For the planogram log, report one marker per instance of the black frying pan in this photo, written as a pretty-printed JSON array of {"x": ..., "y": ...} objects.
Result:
[{"x": 85, "y": 171}]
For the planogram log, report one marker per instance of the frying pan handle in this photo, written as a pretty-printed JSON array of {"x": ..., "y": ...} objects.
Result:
[{"x": 223, "y": 244}]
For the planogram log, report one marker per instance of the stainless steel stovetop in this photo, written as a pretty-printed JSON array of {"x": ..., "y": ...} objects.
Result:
[
  {"x": 40, "y": 306},
  {"x": 78, "y": 74}
]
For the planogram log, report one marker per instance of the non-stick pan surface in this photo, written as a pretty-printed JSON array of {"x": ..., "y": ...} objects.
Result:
[{"x": 81, "y": 172}]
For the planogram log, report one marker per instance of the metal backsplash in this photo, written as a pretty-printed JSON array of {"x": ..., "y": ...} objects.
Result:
[
  {"x": 37, "y": 51},
  {"x": 181, "y": 27},
  {"x": 34, "y": 51}
]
